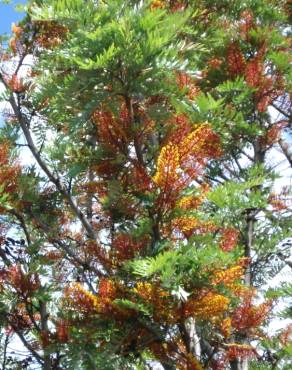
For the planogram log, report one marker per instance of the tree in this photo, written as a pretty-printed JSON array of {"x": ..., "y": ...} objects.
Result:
[{"x": 148, "y": 220}]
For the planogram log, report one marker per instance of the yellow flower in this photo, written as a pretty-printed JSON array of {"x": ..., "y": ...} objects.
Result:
[{"x": 208, "y": 306}]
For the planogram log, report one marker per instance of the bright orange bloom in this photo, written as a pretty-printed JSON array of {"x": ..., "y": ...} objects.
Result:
[
  {"x": 81, "y": 299},
  {"x": 226, "y": 327},
  {"x": 23, "y": 283},
  {"x": 240, "y": 351},
  {"x": 187, "y": 83},
  {"x": 228, "y": 239},
  {"x": 167, "y": 166},
  {"x": 188, "y": 225},
  {"x": 16, "y": 30},
  {"x": 228, "y": 276},
  {"x": 182, "y": 161},
  {"x": 206, "y": 306},
  {"x": 248, "y": 315},
  {"x": 235, "y": 60},
  {"x": 254, "y": 72},
  {"x": 157, "y": 4}
]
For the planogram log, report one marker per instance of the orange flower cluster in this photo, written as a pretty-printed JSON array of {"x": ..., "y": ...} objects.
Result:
[
  {"x": 277, "y": 203},
  {"x": 254, "y": 71},
  {"x": 202, "y": 143},
  {"x": 16, "y": 84},
  {"x": 180, "y": 127},
  {"x": 187, "y": 83},
  {"x": 239, "y": 351},
  {"x": 189, "y": 202},
  {"x": 246, "y": 24},
  {"x": 226, "y": 327},
  {"x": 9, "y": 171},
  {"x": 24, "y": 284},
  {"x": 126, "y": 247},
  {"x": 180, "y": 162},
  {"x": 49, "y": 33},
  {"x": 113, "y": 132},
  {"x": 214, "y": 63},
  {"x": 21, "y": 319},
  {"x": 286, "y": 336},
  {"x": 268, "y": 88},
  {"x": 95, "y": 251},
  {"x": 235, "y": 60},
  {"x": 54, "y": 255},
  {"x": 228, "y": 277},
  {"x": 16, "y": 30},
  {"x": 273, "y": 134},
  {"x": 81, "y": 299},
  {"x": 62, "y": 331},
  {"x": 207, "y": 305},
  {"x": 157, "y": 4},
  {"x": 161, "y": 4},
  {"x": 229, "y": 237},
  {"x": 268, "y": 91},
  {"x": 14, "y": 42},
  {"x": 188, "y": 225},
  {"x": 157, "y": 297},
  {"x": 248, "y": 316},
  {"x": 106, "y": 288},
  {"x": 139, "y": 178},
  {"x": 167, "y": 166}
]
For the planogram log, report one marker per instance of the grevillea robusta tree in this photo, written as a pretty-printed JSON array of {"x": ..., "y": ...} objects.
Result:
[{"x": 141, "y": 230}]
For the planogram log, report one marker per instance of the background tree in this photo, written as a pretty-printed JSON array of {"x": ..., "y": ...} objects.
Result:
[{"x": 149, "y": 217}]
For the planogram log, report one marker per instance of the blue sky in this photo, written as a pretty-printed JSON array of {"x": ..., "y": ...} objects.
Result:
[{"x": 8, "y": 15}]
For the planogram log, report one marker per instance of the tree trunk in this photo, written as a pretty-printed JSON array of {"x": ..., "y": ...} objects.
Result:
[{"x": 286, "y": 149}]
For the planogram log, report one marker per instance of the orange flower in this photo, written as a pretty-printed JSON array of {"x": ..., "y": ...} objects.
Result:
[
  {"x": 235, "y": 60},
  {"x": 23, "y": 283},
  {"x": 13, "y": 45},
  {"x": 182, "y": 161},
  {"x": 286, "y": 336},
  {"x": 229, "y": 237},
  {"x": 193, "y": 363},
  {"x": 248, "y": 316},
  {"x": 81, "y": 299},
  {"x": 125, "y": 247},
  {"x": 106, "y": 289},
  {"x": 62, "y": 331},
  {"x": 228, "y": 276},
  {"x": 157, "y": 4},
  {"x": 167, "y": 166},
  {"x": 225, "y": 327},
  {"x": 254, "y": 72},
  {"x": 16, "y": 84},
  {"x": 239, "y": 351},
  {"x": 187, "y": 83},
  {"x": 247, "y": 23},
  {"x": 207, "y": 306},
  {"x": 188, "y": 225},
  {"x": 16, "y": 30},
  {"x": 9, "y": 170}
]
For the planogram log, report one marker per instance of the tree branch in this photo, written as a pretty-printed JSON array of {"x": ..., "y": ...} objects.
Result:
[{"x": 56, "y": 181}]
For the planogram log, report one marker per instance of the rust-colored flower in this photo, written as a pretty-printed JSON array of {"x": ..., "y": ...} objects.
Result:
[
  {"x": 235, "y": 60},
  {"x": 229, "y": 237}
]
